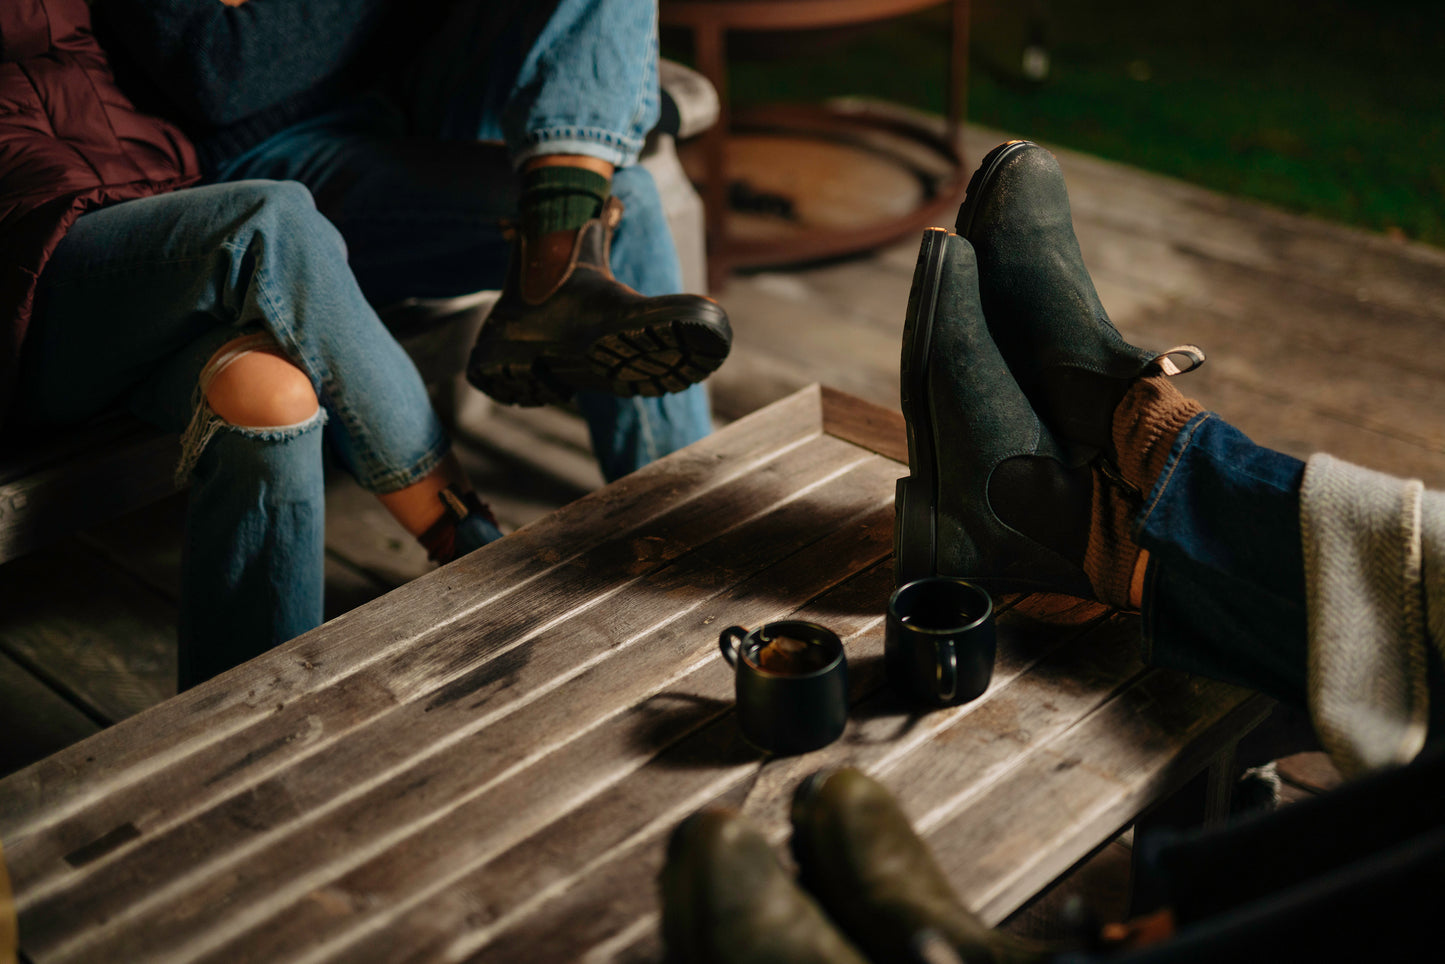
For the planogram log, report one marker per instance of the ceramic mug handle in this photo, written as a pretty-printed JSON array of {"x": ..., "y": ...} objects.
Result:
[
  {"x": 947, "y": 682},
  {"x": 731, "y": 643}
]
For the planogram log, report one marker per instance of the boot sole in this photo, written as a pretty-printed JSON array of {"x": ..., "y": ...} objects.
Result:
[
  {"x": 978, "y": 183},
  {"x": 653, "y": 354},
  {"x": 915, "y": 530}
]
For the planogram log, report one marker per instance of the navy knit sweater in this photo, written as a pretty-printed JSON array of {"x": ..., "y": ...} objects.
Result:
[{"x": 233, "y": 76}]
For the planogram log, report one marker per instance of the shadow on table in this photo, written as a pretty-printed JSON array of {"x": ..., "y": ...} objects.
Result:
[{"x": 687, "y": 731}]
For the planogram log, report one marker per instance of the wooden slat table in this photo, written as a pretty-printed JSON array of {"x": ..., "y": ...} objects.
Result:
[{"x": 484, "y": 764}]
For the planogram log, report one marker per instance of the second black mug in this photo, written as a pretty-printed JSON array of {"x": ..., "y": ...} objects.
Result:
[{"x": 939, "y": 642}]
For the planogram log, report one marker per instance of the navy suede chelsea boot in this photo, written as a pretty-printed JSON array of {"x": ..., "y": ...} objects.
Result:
[
  {"x": 990, "y": 495},
  {"x": 1042, "y": 309},
  {"x": 727, "y": 900}
]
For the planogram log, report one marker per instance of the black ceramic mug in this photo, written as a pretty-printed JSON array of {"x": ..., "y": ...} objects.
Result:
[
  {"x": 791, "y": 682},
  {"x": 939, "y": 643}
]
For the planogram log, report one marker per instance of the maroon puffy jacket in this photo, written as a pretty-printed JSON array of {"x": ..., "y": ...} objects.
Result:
[{"x": 70, "y": 141}]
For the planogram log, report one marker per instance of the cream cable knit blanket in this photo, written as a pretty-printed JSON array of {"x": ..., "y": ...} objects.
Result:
[{"x": 1374, "y": 560}]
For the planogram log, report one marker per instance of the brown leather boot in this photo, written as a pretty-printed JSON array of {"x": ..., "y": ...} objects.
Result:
[
  {"x": 564, "y": 323},
  {"x": 726, "y": 899}
]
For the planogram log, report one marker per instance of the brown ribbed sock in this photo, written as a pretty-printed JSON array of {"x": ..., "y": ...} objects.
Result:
[
  {"x": 1146, "y": 422},
  {"x": 1111, "y": 552}
]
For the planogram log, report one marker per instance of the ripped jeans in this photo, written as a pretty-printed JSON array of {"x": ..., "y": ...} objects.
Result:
[
  {"x": 418, "y": 172},
  {"x": 136, "y": 300}
]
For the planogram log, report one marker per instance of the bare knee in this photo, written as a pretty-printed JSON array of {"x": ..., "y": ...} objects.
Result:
[{"x": 258, "y": 389}]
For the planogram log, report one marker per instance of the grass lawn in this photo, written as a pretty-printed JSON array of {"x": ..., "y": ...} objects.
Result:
[{"x": 1331, "y": 108}]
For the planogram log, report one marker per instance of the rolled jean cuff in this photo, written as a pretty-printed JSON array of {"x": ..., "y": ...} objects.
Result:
[
  {"x": 1224, "y": 590},
  {"x": 605, "y": 145},
  {"x": 396, "y": 479}
]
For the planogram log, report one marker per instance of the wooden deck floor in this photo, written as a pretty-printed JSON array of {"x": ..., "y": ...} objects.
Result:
[{"x": 1319, "y": 338}]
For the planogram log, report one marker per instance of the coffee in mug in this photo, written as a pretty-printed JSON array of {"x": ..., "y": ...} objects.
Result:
[{"x": 791, "y": 682}]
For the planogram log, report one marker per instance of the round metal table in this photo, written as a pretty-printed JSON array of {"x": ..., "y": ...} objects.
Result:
[{"x": 709, "y": 22}]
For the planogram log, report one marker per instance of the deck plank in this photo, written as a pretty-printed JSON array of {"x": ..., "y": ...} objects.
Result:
[
  {"x": 414, "y": 671},
  {"x": 113, "y": 652},
  {"x": 608, "y": 906},
  {"x": 303, "y": 666},
  {"x": 433, "y": 738}
]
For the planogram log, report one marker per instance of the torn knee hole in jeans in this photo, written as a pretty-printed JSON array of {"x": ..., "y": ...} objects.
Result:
[{"x": 205, "y": 423}]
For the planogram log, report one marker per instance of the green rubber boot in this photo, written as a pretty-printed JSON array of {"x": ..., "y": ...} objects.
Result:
[
  {"x": 727, "y": 900},
  {"x": 1042, "y": 309},
  {"x": 990, "y": 495},
  {"x": 858, "y": 855}
]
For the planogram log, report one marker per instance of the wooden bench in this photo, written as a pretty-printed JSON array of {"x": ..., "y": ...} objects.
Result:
[
  {"x": 485, "y": 764},
  {"x": 66, "y": 482}
]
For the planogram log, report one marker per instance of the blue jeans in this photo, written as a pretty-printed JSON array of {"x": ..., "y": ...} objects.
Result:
[
  {"x": 1224, "y": 597},
  {"x": 1224, "y": 592},
  {"x": 137, "y": 299},
  {"x": 418, "y": 172},
  {"x": 559, "y": 77}
]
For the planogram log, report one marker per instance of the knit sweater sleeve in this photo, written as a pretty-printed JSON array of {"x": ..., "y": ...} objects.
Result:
[
  {"x": 1372, "y": 553},
  {"x": 219, "y": 64}
]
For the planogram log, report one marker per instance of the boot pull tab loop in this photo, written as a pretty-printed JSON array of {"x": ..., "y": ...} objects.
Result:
[
  {"x": 611, "y": 212},
  {"x": 1191, "y": 355}
]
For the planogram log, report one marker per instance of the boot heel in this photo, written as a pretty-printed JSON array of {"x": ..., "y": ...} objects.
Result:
[
  {"x": 914, "y": 535},
  {"x": 914, "y": 555}
]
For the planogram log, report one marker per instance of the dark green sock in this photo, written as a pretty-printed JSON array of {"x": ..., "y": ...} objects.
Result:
[{"x": 561, "y": 198}]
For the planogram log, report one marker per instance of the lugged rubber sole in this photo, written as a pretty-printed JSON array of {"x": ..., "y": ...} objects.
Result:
[
  {"x": 915, "y": 529},
  {"x": 647, "y": 358}
]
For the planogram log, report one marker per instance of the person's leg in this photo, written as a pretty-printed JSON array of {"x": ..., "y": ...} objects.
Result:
[
  {"x": 133, "y": 298},
  {"x": 142, "y": 298},
  {"x": 571, "y": 89},
  {"x": 1223, "y": 591},
  {"x": 628, "y": 433},
  {"x": 567, "y": 77},
  {"x": 252, "y": 563},
  {"x": 423, "y": 217},
  {"x": 248, "y": 382}
]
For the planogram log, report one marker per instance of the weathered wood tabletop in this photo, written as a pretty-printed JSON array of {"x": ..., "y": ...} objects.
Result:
[{"x": 484, "y": 764}]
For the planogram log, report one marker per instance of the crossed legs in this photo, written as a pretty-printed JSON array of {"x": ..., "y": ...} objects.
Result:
[
  {"x": 1047, "y": 454},
  {"x": 423, "y": 174},
  {"x": 228, "y": 314}
]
